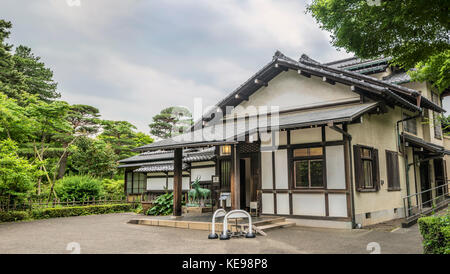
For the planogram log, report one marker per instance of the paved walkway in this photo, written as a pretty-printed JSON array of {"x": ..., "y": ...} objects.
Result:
[{"x": 111, "y": 234}]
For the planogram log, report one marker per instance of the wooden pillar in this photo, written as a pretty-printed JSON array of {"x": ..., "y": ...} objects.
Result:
[
  {"x": 177, "y": 181},
  {"x": 348, "y": 173},
  {"x": 234, "y": 179}
]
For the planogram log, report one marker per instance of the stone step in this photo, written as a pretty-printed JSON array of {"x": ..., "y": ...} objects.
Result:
[
  {"x": 276, "y": 225},
  {"x": 265, "y": 222}
]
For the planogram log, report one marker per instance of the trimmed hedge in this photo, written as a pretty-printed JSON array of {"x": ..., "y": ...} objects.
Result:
[
  {"x": 12, "y": 216},
  {"x": 57, "y": 212},
  {"x": 435, "y": 231}
]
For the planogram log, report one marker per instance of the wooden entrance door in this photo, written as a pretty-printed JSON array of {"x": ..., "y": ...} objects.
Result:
[{"x": 425, "y": 184}]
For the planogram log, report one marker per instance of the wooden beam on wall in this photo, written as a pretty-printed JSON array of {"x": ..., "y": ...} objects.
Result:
[
  {"x": 301, "y": 72},
  {"x": 328, "y": 80},
  {"x": 233, "y": 177},
  {"x": 261, "y": 82},
  {"x": 177, "y": 181}
]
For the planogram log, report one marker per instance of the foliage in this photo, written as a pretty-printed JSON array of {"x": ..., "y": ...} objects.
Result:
[
  {"x": 37, "y": 78},
  {"x": 13, "y": 216},
  {"x": 79, "y": 211},
  {"x": 163, "y": 205},
  {"x": 435, "y": 231},
  {"x": 11, "y": 81},
  {"x": 120, "y": 135},
  {"x": 113, "y": 188},
  {"x": 413, "y": 32},
  {"x": 142, "y": 139},
  {"x": 93, "y": 157},
  {"x": 79, "y": 188},
  {"x": 138, "y": 209},
  {"x": 435, "y": 69},
  {"x": 17, "y": 175},
  {"x": 170, "y": 122},
  {"x": 14, "y": 121}
]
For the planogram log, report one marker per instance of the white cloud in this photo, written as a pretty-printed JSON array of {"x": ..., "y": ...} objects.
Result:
[
  {"x": 145, "y": 91},
  {"x": 133, "y": 58}
]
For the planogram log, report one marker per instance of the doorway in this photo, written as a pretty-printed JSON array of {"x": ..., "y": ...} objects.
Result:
[
  {"x": 245, "y": 182},
  {"x": 425, "y": 184},
  {"x": 248, "y": 179},
  {"x": 439, "y": 176}
]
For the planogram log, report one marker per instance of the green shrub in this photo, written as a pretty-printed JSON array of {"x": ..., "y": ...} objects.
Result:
[
  {"x": 79, "y": 211},
  {"x": 12, "y": 216},
  {"x": 79, "y": 187},
  {"x": 163, "y": 205},
  {"x": 114, "y": 188},
  {"x": 435, "y": 231}
]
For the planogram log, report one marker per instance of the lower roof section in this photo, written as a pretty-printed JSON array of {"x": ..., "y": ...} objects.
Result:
[
  {"x": 416, "y": 141},
  {"x": 232, "y": 131}
]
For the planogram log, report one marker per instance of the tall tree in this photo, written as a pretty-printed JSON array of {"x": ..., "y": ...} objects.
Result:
[
  {"x": 170, "y": 122},
  {"x": 120, "y": 135},
  {"x": 84, "y": 121},
  {"x": 38, "y": 79},
  {"x": 415, "y": 33},
  {"x": 11, "y": 81},
  {"x": 50, "y": 124},
  {"x": 93, "y": 157}
]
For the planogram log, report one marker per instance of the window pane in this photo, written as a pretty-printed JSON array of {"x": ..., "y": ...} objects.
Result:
[
  {"x": 301, "y": 174},
  {"x": 225, "y": 173},
  {"x": 302, "y": 152},
  {"x": 367, "y": 166},
  {"x": 315, "y": 151},
  {"x": 316, "y": 169},
  {"x": 366, "y": 153},
  {"x": 129, "y": 183}
]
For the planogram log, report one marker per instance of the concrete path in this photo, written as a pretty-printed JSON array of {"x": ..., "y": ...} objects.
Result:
[{"x": 111, "y": 234}]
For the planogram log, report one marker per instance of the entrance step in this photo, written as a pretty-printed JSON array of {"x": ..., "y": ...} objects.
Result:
[
  {"x": 276, "y": 225},
  {"x": 261, "y": 226}
]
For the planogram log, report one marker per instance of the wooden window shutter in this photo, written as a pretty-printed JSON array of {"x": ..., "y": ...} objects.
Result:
[
  {"x": 392, "y": 168},
  {"x": 376, "y": 169},
  {"x": 359, "y": 174}
]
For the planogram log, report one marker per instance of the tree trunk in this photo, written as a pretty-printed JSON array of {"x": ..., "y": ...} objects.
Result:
[{"x": 62, "y": 165}]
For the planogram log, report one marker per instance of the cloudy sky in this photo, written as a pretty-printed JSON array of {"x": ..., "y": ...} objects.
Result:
[{"x": 133, "y": 58}]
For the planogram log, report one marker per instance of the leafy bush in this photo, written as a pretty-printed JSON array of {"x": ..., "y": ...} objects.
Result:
[
  {"x": 435, "y": 231},
  {"x": 12, "y": 216},
  {"x": 114, "y": 188},
  {"x": 79, "y": 211},
  {"x": 163, "y": 205},
  {"x": 17, "y": 175},
  {"x": 79, "y": 187}
]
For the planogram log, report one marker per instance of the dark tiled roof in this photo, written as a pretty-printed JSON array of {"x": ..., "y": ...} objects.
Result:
[
  {"x": 345, "y": 72},
  {"x": 146, "y": 156},
  {"x": 355, "y": 64},
  {"x": 422, "y": 143},
  {"x": 202, "y": 155},
  {"x": 398, "y": 78},
  {"x": 159, "y": 167},
  {"x": 197, "y": 155},
  {"x": 346, "y": 113}
]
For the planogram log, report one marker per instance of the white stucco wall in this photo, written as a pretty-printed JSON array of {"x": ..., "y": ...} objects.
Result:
[{"x": 290, "y": 90}]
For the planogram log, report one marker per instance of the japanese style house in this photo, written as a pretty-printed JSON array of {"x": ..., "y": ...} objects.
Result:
[{"x": 349, "y": 140}]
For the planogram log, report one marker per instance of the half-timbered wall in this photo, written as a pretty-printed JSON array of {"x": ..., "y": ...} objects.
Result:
[
  {"x": 161, "y": 181},
  {"x": 203, "y": 170},
  {"x": 279, "y": 194}
]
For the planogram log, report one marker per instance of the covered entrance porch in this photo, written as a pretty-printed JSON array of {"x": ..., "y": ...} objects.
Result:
[{"x": 429, "y": 190}]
